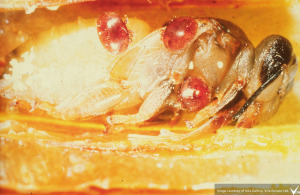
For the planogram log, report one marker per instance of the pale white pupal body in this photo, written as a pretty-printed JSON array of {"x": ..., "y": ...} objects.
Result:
[{"x": 151, "y": 75}]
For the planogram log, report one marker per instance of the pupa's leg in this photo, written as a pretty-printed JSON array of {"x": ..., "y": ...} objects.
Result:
[
  {"x": 151, "y": 105},
  {"x": 215, "y": 106},
  {"x": 273, "y": 74},
  {"x": 166, "y": 136},
  {"x": 211, "y": 117},
  {"x": 232, "y": 84},
  {"x": 98, "y": 99}
]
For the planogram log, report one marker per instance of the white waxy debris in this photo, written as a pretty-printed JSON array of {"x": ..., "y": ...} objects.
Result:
[
  {"x": 52, "y": 8},
  {"x": 203, "y": 186},
  {"x": 30, "y": 130},
  {"x": 11, "y": 132},
  {"x": 220, "y": 64},
  {"x": 22, "y": 39},
  {"x": 159, "y": 165},
  {"x": 30, "y": 9},
  {"x": 155, "y": 186},
  {"x": 186, "y": 148},
  {"x": 164, "y": 186},
  {"x": 79, "y": 168},
  {"x": 191, "y": 65},
  {"x": 5, "y": 124},
  {"x": 69, "y": 172}
]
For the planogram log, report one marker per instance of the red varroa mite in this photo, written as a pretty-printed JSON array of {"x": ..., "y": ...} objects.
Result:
[
  {"x": 194, "y": 94},
  {"x": 179, "y": 33},
  {"x": 113, "y": 33}
]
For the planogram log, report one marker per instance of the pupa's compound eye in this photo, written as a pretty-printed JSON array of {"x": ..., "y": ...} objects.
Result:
[
  {"x": 194, "y": 94},
  {"x": 179, "y": 33},
  {"x": 113, "y": 33}
]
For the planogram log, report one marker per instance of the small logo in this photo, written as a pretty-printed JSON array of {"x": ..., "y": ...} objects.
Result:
[{"x": 294, "y": 191}]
